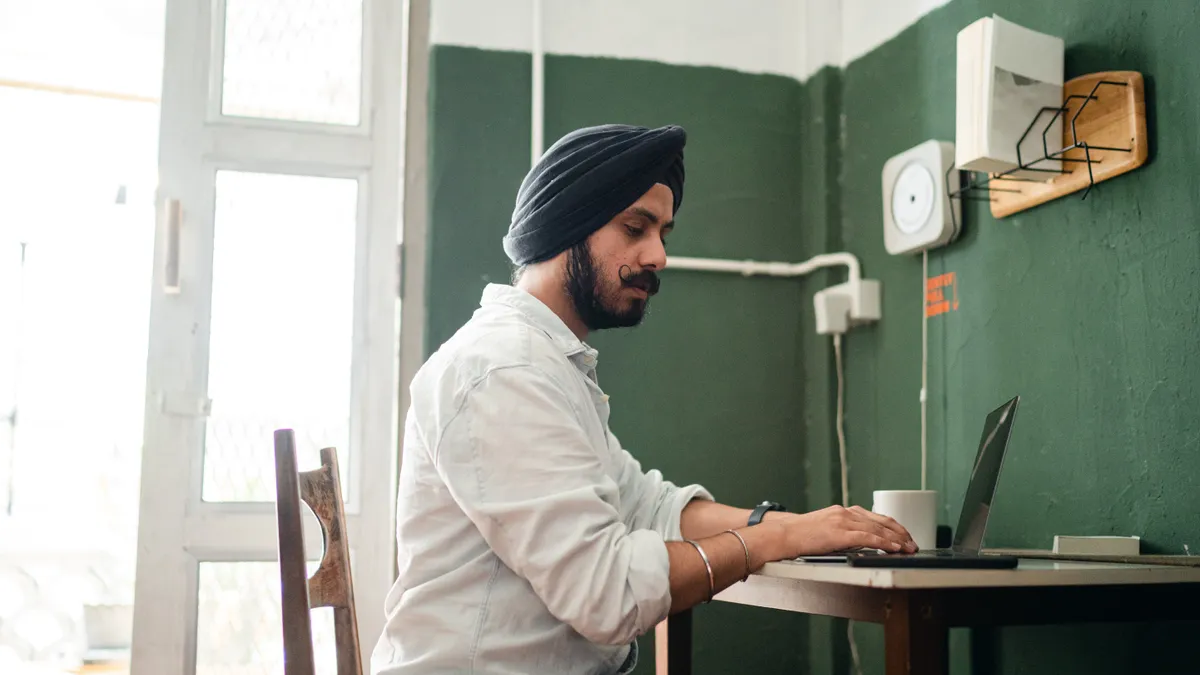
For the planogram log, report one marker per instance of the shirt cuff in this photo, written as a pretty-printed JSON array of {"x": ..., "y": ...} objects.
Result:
[
  {"x": 650, "y": 579},
  {"x": 679, "y": 500}
]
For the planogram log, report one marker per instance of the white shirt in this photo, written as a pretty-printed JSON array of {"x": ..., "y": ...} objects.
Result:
[{"x": 529, "y": 540}]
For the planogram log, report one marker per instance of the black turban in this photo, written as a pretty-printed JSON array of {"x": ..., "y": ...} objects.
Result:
[{"x": 586, "y": 179}]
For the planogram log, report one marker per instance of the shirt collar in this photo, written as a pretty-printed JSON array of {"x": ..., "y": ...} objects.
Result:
[{"x": 543, "y": 318}]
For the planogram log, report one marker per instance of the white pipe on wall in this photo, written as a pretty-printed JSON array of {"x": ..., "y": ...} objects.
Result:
[
  {"x": 538, "y": 107},
  {"x": 774, "y": 269}
]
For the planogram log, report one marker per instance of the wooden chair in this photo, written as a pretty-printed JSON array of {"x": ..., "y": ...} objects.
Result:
[{"x": 330, "y": 586}]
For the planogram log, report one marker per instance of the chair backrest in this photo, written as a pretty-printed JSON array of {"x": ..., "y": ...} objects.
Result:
[{"x": 331, "y": 585}]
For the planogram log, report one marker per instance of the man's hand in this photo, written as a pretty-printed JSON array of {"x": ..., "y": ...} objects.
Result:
[{"x": 837, "y": 529}]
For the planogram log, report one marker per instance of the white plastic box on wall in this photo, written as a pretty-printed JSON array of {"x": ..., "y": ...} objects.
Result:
[{"x": 917, "y": 213}]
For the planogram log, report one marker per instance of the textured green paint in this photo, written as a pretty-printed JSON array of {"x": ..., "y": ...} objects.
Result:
[
  {"x": 709, "y": 388},
  {"x": 1088, "y": 309},
  {"x": 478, "y": 152}
]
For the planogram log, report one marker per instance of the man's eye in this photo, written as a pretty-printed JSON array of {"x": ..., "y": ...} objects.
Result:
[{"x": 634, "y": 231}]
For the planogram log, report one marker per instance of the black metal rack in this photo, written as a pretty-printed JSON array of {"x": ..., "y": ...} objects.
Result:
[{"x": 985, "y": 185}]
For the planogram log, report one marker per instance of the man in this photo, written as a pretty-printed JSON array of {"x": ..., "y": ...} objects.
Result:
[{"x": 529, "y": 540}]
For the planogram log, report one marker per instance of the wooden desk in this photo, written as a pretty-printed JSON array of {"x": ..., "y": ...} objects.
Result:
[{"x": 918, "y": 607}]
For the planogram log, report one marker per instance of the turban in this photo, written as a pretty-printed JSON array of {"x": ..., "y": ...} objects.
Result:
[{"x": 584, "y": 180}]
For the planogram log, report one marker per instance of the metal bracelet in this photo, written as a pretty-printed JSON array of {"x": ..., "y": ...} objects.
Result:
[
  {"x": 744, "y": 548},
  {"x": 704, "y": 556}
]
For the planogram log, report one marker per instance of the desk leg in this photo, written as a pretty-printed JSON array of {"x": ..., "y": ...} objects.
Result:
[
  {"x": 916, "y": 637},
  {"x": 673, "y": 645}
]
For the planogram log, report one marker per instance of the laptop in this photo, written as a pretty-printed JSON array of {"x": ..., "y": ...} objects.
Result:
[{"x": 972, "y": 521}]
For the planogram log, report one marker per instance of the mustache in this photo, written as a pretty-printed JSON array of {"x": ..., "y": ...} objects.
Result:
[{"x": 647, "y": 280}]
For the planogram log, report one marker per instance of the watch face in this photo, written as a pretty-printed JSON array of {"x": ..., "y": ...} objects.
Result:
[{"x": 912, "y": 198}]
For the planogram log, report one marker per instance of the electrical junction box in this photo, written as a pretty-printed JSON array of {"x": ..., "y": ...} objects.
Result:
[{"x": 918, "y": 213}]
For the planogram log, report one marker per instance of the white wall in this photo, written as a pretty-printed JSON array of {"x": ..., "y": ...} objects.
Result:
[
  {"x": 795, "y": 38},
  {"x": 866, "y": 24},
  {"x": 821, "y": 35},
  {"x": 758, "y": 36}
]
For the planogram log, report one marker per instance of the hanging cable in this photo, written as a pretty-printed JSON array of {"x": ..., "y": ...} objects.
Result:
[
  {"x": 845, "y": 473},
  {"x": 841, "y": 418},
  {"x": 924, "y": 369},
  {"x": 853, "y": 648},
  {"x": 538, "y": 93}
]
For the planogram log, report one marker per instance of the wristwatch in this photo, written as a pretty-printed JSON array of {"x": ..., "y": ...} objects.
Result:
[{"x": 756, "y": 516}]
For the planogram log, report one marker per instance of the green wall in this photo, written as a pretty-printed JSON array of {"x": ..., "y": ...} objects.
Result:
[
  {"x": 708, "y": 388},
  {"x": 1087, "y": 309}
]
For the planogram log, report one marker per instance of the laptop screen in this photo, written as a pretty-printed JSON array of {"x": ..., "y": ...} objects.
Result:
[{"x": 968, "y": 536}]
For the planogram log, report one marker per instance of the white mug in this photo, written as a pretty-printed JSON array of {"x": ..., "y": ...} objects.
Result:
[{"x": 916, "y": 510}]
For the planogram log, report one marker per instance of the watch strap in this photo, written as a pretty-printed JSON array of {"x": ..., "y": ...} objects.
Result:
[{"x": 761, "y": 510}]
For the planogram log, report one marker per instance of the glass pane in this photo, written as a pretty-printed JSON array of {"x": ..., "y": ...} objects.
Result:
[
  {"x": 293, "y": 60},
  {"x": 239, "y": 622},
  {"x": 77, "y": 180},
  {"x": 280, "y": 340}
]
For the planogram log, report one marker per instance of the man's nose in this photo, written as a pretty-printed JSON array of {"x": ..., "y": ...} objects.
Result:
[{"x": 654, "y": 256}]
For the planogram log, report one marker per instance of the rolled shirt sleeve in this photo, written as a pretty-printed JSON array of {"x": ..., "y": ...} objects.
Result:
[
  {"x": 518, "y": 462},
  {"x": 657, "y": 503}
]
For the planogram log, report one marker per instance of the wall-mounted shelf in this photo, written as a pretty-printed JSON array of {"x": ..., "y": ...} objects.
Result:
[{"x": 1104, "y": 135}]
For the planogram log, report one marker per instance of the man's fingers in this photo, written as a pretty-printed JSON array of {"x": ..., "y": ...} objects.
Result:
[
  {"x": 871, "y": 540},
  {"x": 890, "y": 535},
  {"x": 889, "y": 523},
  {"x": 891, "y": 526},
  {"x": 886, "y": 521},
  {"x": 895, "y": 540}
]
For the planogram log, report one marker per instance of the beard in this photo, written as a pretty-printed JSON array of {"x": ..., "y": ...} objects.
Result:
[{"x": 600, "y": 302}]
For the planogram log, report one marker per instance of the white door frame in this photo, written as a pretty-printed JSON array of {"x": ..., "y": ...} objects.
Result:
[
  {"x": 415, "y": 199},
  {"x": 177, "y": 529}
]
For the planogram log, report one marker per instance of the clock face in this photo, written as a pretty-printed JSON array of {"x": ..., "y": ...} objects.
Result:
[{"x": 912, "y": 198}]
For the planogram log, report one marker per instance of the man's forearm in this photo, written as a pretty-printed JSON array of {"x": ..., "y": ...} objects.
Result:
[
  {"x": 701, "y": 519},
  {"x": 726, "y": 557}
]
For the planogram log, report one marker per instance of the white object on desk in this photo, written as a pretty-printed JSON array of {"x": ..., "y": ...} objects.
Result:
[
  {"x": 1097, "y": 545},
  {"x": 916, "y": 510}
]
